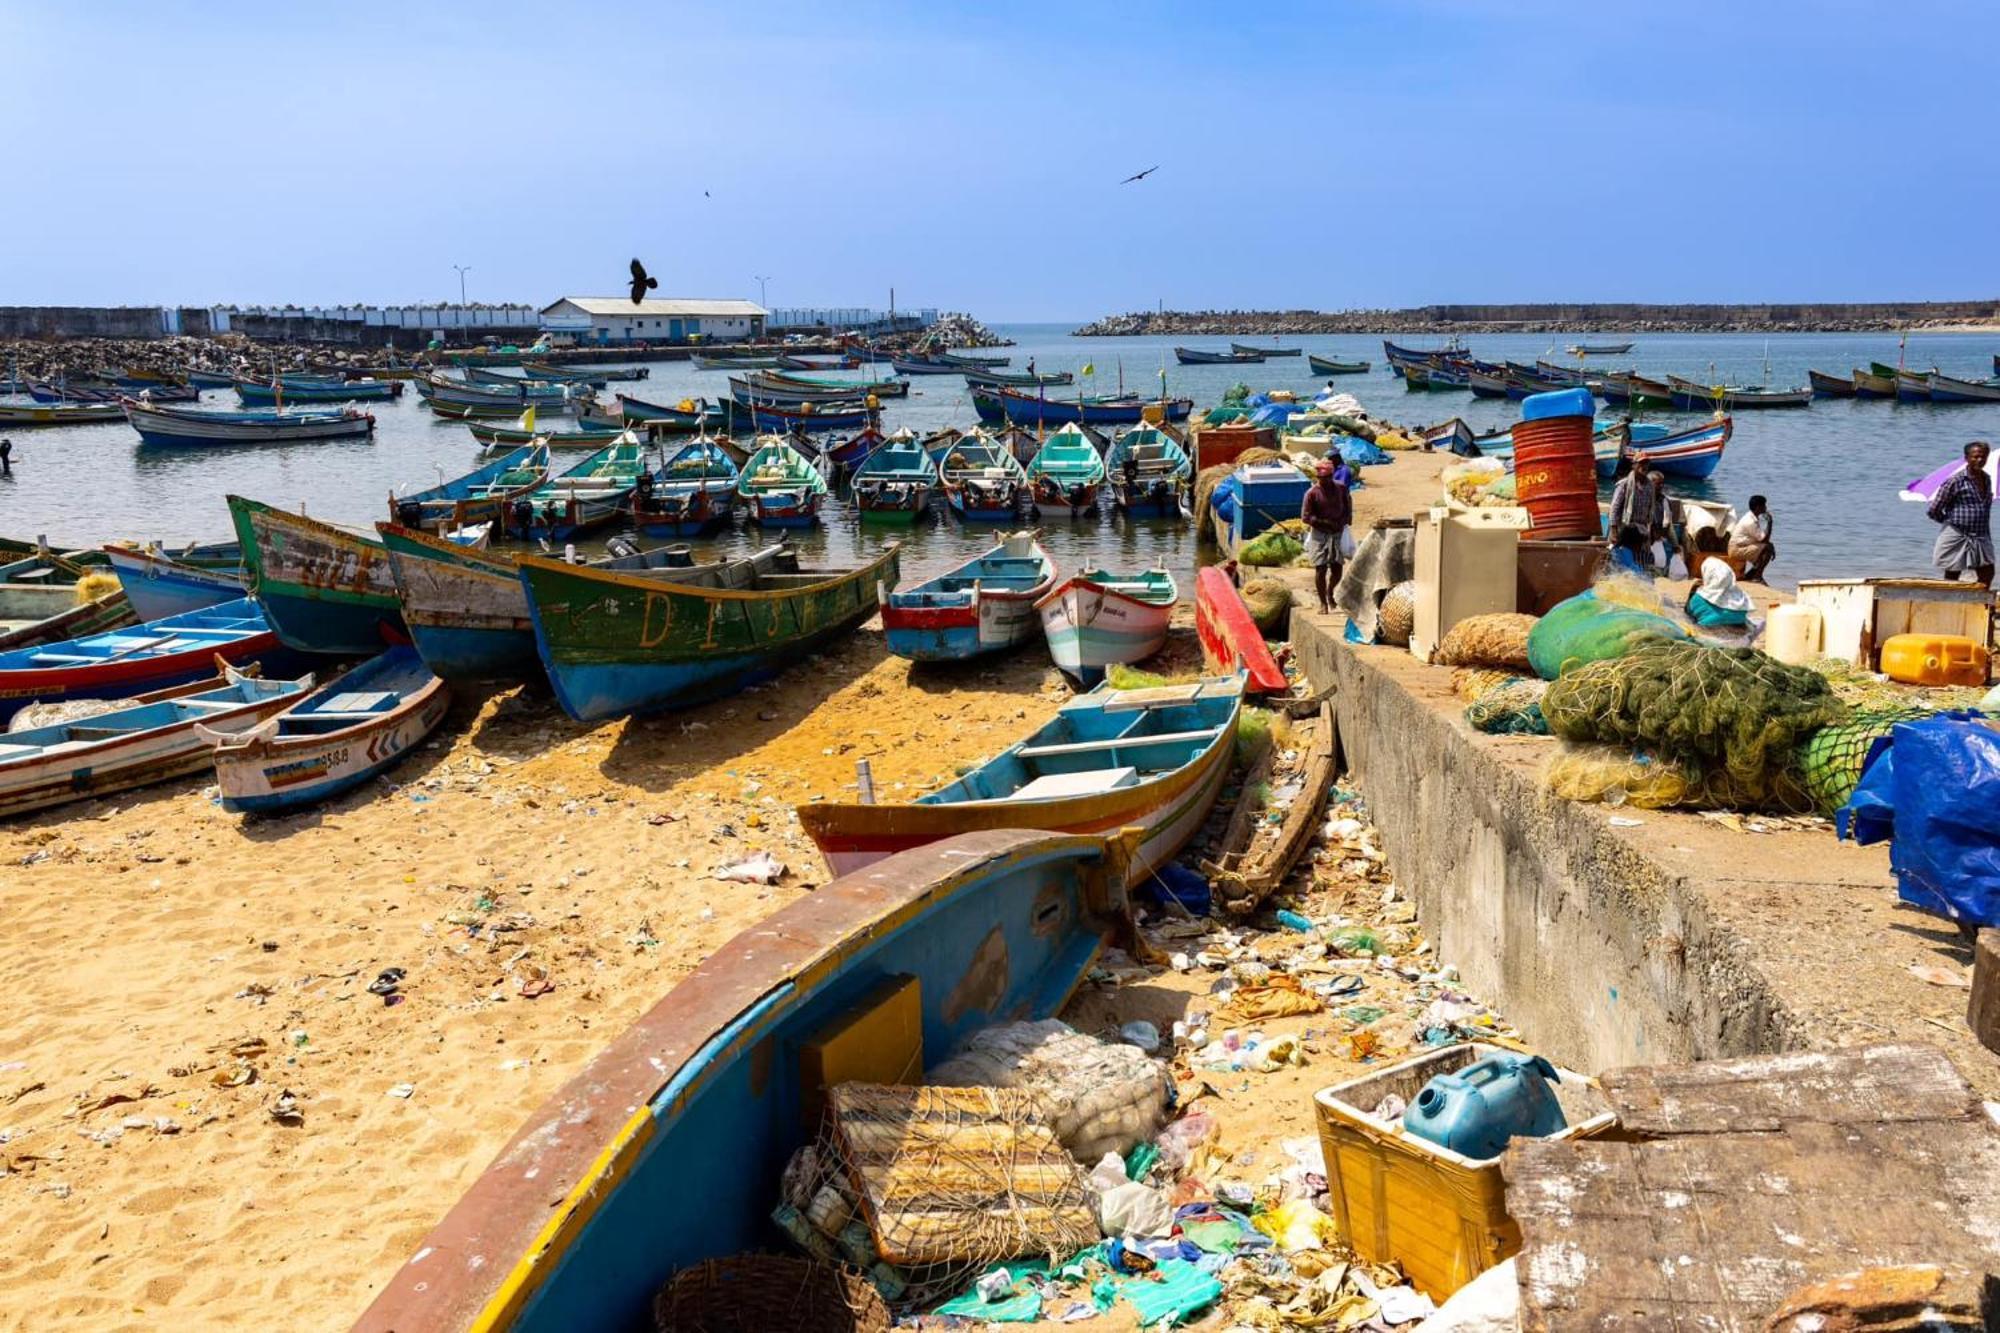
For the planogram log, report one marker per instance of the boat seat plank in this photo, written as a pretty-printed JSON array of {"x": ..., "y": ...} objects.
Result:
[
  {"x": 357, "y": 702},
  {"x": 1088, "y": 782},
  {"x": 1158, "y": 696},
  {"x": 1116, "y": 742},
  {"x": 337, "y": 714}
]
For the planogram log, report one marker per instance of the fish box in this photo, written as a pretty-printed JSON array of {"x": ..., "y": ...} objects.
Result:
[{"x": 1395, "y": 1196}]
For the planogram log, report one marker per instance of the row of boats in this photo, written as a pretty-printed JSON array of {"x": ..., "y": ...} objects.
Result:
[
  {"x": 1906, "y": 385},
  {"x": 1452, "y": 367}
]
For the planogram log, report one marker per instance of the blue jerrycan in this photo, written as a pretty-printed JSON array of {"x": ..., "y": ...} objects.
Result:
[{"x": 1475, "y": 1111}]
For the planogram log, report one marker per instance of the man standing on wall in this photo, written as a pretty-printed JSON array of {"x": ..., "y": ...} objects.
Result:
[{"x": 1326, "y": 512}]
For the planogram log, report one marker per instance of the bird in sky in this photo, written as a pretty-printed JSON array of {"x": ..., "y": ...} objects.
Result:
[
  {"x": 640, "y": 282},
  {"x": 1140, "y": 176},
  {"x": 705, "y": 194}
]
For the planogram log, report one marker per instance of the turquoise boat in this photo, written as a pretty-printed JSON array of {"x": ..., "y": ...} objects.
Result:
[
  {"x": 318, "y": 390},
  {"x": 1066, "y": 472},
  {"x": 477, "y": 497},
  {"x": 894, "y": 483},
  {"x": 780, "y": 487},
  {"x": 983, "y": 482},
  {"x": 692, "y": 494},
  {"x": 325, "y": 588},
  {"x": 583, "y": 499},
  {"x": 1148, "y": 470}
]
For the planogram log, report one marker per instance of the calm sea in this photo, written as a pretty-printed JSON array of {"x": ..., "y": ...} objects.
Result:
[{"x": 1831, "y": 471}]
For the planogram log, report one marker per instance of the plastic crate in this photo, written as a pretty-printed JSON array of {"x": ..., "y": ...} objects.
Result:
[{"x": 1440, "y": 1214}]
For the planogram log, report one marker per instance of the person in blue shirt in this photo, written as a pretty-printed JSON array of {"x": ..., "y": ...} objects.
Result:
[{"x": 1342, "y": 473}]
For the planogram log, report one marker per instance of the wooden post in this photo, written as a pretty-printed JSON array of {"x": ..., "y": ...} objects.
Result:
[{"x": 1982, "y": 1014}]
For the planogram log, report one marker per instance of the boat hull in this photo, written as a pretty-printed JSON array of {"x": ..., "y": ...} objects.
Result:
[
  {"x": 1090, "y": 628},
  {"x": 466, "y": 612},
  {"x": 1229, "y": 637},
  {"x": 1322, "y": 366},
  {"x": 323, "y": 588},
  {"x": 159, "y": 586},
  {"x": 121, "y": 678},
  {"x": 263, "y": 395}
]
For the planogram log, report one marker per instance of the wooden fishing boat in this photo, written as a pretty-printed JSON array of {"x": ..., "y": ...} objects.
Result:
[
  {"x": 159, "y": 585},
  {"x": 1258, "y": 847},
  {"x": 211, "y": 379},
  {"x": 1565, "y": 375},
  {"x": 150, "y": 739},
  {"x": 462, "y": 393},
  {"x": 689, "y": 1104},
  {"x": 181, "y": 426},
  {"x": 1486, "y": 385},
  {"x": 1035, "y": 409},
  {"x": 1266, "y": 352},
  {"x": 59, "y": 414},
  {"x": 894, "y": 483},
  {"x": 693, "y": 494},
  {"x": 982, "y": 479},
  {"x": 774, "y": 385},
  {"x": 597, "y": 377},
  {"x": 779, "y": 486},
  {"x": 1401, "y": 358},
  {"x": 1867, "y": 384},
  {"x": 325, "y": 588},
  {"x": 1327, "y": 365},
  {"x": 1096, "y": 618},
  {"x": 1007, "y": 379},
  {"x": 67, "y": 391},
  {"x": 479, "y": 496},
  {"x": 43, "y": 599},
  {"x": 1526, "y": 381},
  {"x": 1691, "y": 397},
  {"x": 1692, "y": 453},
  {"x": 1634, "y": 390},
  {"x": 1418, "y": 378},
  {"x": 802, "y": 418},
  {"x": 964, "y": 362},
  {"x": 121, "y": 663},
  {"x": 808, "y": 363},
  {"x": 1913, "y": 386},
  {"x": 918, "y": 365},
  {"x": 686, "y": 417},
  {"x": 333, "y": 740},
  {"x": 614, "y": 644},
  {"x": 1599, "y": 349},
  {"x": 1148, "y": 470},
  {"x": 583, "y": 499},
  {"x": 1830, "y": 386},
  {"x": 853, "y": 451},
  {"x": 254, "y": 393},
  {"x": 1946, "y": 389},
  {"x": 1151, "y": 759},
  {"x": 986, "y": 605},
  {"x": 1230, "y": 639},
  {"x": 1066, "y": 473},
  {"x": 1194, "y": 356},
  {"x": 476, "y": 411},
  {"x": 733, "y": 362},
  {"x": 493, "y": 437}
]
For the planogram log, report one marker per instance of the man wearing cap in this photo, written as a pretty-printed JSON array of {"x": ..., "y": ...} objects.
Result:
[{"x": 1326, "y": 512}]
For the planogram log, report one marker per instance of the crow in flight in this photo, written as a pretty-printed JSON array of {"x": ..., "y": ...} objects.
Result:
[
  {"x": 1141, "y": 176},
  {"x": 640, "y": 282}
]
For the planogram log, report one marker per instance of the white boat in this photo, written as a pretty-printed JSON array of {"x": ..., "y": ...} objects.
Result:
[{"x": 1095, "y": 618}]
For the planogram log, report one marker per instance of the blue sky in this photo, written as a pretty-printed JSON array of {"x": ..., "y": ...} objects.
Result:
[{"x": 1332, "y": 156}]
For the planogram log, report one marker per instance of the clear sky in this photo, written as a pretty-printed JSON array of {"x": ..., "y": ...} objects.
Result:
[{"x": 1367, "y": 153}]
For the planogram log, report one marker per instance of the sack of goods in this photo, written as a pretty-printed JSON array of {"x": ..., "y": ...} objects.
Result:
[
  {"x": 1099, "y": 1096},
  {"x": 1498, "y": 639}
]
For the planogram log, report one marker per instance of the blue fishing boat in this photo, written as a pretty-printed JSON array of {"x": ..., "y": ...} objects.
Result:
[
  {"x": 1066, "y": 473},
  {"x": 125, "y": 662},
  {"x": 1035, "y": 409},
  {"x": 479, "y": 496},
  {"x": 1692, "y": 453},
  {"x": 894, "y": 483},
  {"x": 210, "y": 379},
  {"x": 692, "y": 494},
  {"x": 254, "y": 393},
  {"x": 1148, "y": 471},
  {"x": 182, "y": 426},
  {"x": 851, "y": 452},
  {"x": 581, "y": 500},
  {"x": 914, "y": 364},
  {"x": 801, "y": 417},
  {"x": 684, "y": 417},
  {"x": 326, "y": 588},
  {"x": 1024, "y": 379},
  {"x": 984, "y": 606},
  {"x": 108, "y": 394},
  {"x": 780, "y": 487},
  {"x": 983, "y": 482},
  {"x": 159, "y": 585}
]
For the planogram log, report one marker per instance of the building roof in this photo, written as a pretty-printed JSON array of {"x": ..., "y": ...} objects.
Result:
[{"x": 683, "y": 307}]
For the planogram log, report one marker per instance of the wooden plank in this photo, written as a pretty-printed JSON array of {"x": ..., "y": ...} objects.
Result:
[
  {"x": 1765, "y": 1093},
  {"x": 1982, "y": 1013}
]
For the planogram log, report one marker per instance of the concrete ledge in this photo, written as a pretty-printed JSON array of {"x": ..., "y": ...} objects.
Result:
[{"x": 1675, "y": 940}]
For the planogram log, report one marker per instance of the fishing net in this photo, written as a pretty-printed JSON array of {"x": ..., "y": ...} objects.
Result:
[
  {"x": 1864, "y": 689},
  {"x": 1586, "y": 628},
  {"x": 1830, "y": 761},
  {"x": 751, "y": 1293},
  {"x": 95, "y": 586},
  {"x": 1270, "y": 549},
  {"x": 1496, "y": 639},
  {"x": 1268, "y": 600},
  {"x": 1618, "y": 776},
  {"x": 1468, "y": 683},
  {"x": 1397, "y": 615},
  {"x": 1511, "y": 708},
  {"x": 1732, "y": 716}
]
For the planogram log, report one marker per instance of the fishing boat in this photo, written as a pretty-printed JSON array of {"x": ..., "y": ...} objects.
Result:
[
  {"x": 1096, "y": 618},
  {"x": 850, "y": 453},
  {"x": 894, "y": 483},
  {"x": 479, "y": 496},
  {"x": 493, "y": 437},
  {"x": 1599, "y": 349},
  {"x": 1417, "y": 378},
  {"x": 182, "y": 426},
  {"x": 1266, "y": 352},
  {"x": 66, "y": 391},
  {"x": 614, "y": 644},
  {"x": 692, "y": 494},
  {"x": 1066, "y": 473},
  {"x": 733, "y": 362},
  {"x": 1946, "y": 389},
  {"x": 1150, "y": 759},
  {"x": 1913, "y": 386},
  {"x": 1485, "y": 384},
  {"x": 1035, "y": 409},
  {"x": 1400, "y": 358},
  {"x": 780, "y": 487},
  {"x": 964, "y": 362},
  {"x": 521, "y": 394},
  {"x": 46, "y": 597},
  {"x": 479, "y": 411},
  {"x": 688, "y": 416},
  {"x": 1830, "y": 386},
  {"x": 804, "y": 417},
  {"x": 1691, "y": 397},
  {"x": 120, "y": 663},
  {"x": 1326, "y": 365},
  {"x": 150, "y": 739},
  {"x": 982, "y": 479},
  {"x": 583, "y": 499},
  {"x": 59, "y": 414},
  {"x": 159, "y": 585},
  {"x": 1867, "y": 384},
  {"x": 984, "y": 606},
  {"x": 1635, "y": 391},
  {"x": 919, "y": 365},
  {"x": 333, "y": 740},
  {"x": 808, "y": 363},
  {"x": 774, "y": 385},
  {"x": 1148, "y": 470},
  {"x": 1194, "y": 356},
  {"x": 1692, "y": 453},
  {"x": 1010, "y": 379},
  {"x": 326, "y": 588},
  {"x": 1568, "y": 376},
  {"x": 256, "y": 393},
  {"x": 1230, "y": 639},
  {"x": 211, "y": 379},
  {"x": 689, "y": 1102}
]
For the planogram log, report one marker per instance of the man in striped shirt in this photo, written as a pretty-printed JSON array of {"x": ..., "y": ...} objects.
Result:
[{"x": 1963, "y": 507}]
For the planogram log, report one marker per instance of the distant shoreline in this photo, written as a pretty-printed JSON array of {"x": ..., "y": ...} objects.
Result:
[{"x": 1820, "y": 317}]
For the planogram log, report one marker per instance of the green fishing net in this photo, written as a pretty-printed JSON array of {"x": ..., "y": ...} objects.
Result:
[
  {"x": 1511, "y": 708},
  {"x": 1830, "y": 760},
  {"x": 1586, "y": 628}
]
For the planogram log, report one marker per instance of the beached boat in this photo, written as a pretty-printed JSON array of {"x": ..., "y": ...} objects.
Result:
[
  {"x": 1689, "y": 396},
  {"x": 1021, "y": 379},
  {"x": 1867, "y": 384},
  {"x": 1265, "y": 352},
  {"x": 159, "y": 585},
  {"x": 1195, "y": 356},
  {"x": 151, "y": 739},
  {"x": 121, "y": 663},
  {"x": 333, "y": 740},
  {"x": 1148, "y": 470},
  {"x": 1599, "y": 349},
  {"x": 1096, "y": 618},
  {"x": 780, "y": 487},
  {"x": 1327, "y": 365},
  {"x": 581, "y": 500},
  {"x": 326, "y": 588},
  {"x": 1151, "y": 759},
  {"x": 689, "y": 1103},
  {"x": 1693, "y": 452},
  {"x": 1830, "y": 386},
  {"x": 984, "y": 606},
  {"x": 614, "y": 644},
  {"x": 894, "y": 483},
  {"x": 184, "y": 426},
  {"x": 1230, "y": 639},
  {"x": 1066, "y": 473},
  {"x": 686, "y": 417},
  {"x": 982, "y": 479},
  {"x": 44, "y": 599},
  {"x": 1037, "y": 409},
  {"x": 59, "y": 414},
  {"x": 692, "y": 494},
  {"x": 481, "y": 495},
  {"x": 1946, "y": 389},
  {"x": 262, "y": 393}
]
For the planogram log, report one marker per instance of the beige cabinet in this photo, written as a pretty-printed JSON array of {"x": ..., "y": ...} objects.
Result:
[{"x": 1465, "y": 567}]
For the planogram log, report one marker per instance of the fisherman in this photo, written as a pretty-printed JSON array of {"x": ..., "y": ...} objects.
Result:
[
  {"x": 1750, "y": 541},
  {"x": 1326, "y": 511},
  {"x": 6, "y": 458},
  {"x": 1963, "y": 507},
  {"x": 1639, "y": 501}
]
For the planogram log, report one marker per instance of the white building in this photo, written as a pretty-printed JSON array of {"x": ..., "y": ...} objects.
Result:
[{"x": 614, "y": 319}]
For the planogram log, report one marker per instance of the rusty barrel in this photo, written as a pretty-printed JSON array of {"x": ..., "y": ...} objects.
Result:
[{"x": 1555, "y": 465}]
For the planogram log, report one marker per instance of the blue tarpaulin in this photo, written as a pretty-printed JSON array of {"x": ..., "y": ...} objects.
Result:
[{"x": 1932, "y": 788}]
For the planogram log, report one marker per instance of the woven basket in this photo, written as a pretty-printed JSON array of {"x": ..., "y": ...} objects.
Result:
[
  {"x": 755, "y": 1293},
  {"x": 1398, "y": 616}
]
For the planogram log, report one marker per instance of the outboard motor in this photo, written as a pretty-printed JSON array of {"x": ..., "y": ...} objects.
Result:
[
  {"x": 1077, "y": 496},
  {"x": 410, "y": 513},
  {"x": 621, "y": 546},
  {"x": 524, "y": 516}
]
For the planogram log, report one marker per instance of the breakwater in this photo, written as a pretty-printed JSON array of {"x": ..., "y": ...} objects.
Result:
[{"x": 1559, "y": 317}]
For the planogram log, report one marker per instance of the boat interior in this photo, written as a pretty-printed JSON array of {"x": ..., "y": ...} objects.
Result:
[
  {"x": 36, "y": 741},
  {"x": 992, "y": 573},
  {"x": 213, "y": 627}
]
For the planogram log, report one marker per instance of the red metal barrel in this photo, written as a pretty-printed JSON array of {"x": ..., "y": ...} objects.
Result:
[{"x": 1555, "y": 476}]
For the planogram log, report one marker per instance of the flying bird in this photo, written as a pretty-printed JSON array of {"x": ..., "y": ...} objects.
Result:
[
  {"x": 1141, "y": 176},
  {"x": 640, "y": 282},
  {"x": 705, "y": 194}
]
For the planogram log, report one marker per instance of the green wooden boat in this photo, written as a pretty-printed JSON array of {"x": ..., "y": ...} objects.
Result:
[{"x": 323, "y": 587}]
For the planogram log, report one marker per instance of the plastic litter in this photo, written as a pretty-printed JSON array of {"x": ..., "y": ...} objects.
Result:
[
  {"x": 1293, "y": 921},
  {"x": 1141, "y": 1034},
  {"x": 760, "y": 868}
]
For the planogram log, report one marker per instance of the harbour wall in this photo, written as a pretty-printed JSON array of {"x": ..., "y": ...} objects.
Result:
[{"x": 1559, "y": 317}]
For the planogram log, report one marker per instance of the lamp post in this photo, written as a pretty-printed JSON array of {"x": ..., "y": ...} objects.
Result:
[
  {"x": 760, "y": 291},
  {"x": 463, "y": 269}
]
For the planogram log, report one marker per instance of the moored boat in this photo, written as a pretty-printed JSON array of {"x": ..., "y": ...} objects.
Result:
[
  {"x": 513, "y": 437},
  {"x": 210, "y": 379},
  {"x": 998, "y": 404},
  {"x": 780, "y": 487},
  {"x": 1692, "y": 453},
  {"x": 1022, "y": 379},
  {"x": 121, "y": 663},
  {"x": 1195, "y": 356},
  {"x": 1230, "y": 639},
  {"x": 985, "y": 605},
  {"x": 1599, "y": 349},
  {"x": 1096, "y": 618},
  {"x": 1689, "y": 396},
  {"x": 1868, "y": 384},
  {"x": 160, "y": 585},
  {"x": 982, "y": 480},
  {"x": 1066, "y": 473},
  {"x": 108, "y": 392},
  {"x": 692, "y": 494},
  {"x": 1485, "y": 384},
  {"x": 59, "y": 414},
  {"x": 1265, "y": 352},
  {"x": 325, "y": 588},
  {"x": 334, "y": 739},
  {"x": 850, "y": 414},
  {"x": 685, "y": 417},
  {"x": 1946, "y": 389},
  {"x": 479, "y": 496},
  {"x": 614, "y": 644},
  {"x": 733, "y": 362},
  {"x": 263, "y": 393},
  {"x": 1148, "y": 470},
  {"x": 194, "y": 426},
  {"x": 1327, "y": 365},
  {"x": 894, "y": 483},
  {"x": 1830, "y": 386},
  {"x": 583, "y": 499}
]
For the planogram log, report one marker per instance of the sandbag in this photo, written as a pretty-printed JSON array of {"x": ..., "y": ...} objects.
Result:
[
  {"x": 1583, "y": 629},
  {"x": 1496, "y": 639}
]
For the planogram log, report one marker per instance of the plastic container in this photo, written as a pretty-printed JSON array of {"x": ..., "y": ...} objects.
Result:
[
  {"x": 1438, "y": 1213},
  {"x": 1935, "y": 659},
  {"x": 1555, "y": 476},
  {"x": 1477, "y": 1110},
  {"x": 1559, "y": 403},
  {"x": 1792, "y": 633}
]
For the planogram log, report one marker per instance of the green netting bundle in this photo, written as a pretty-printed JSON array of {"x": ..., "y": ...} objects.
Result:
[
  {"x": 1268, "y": 600},
  {"x": 1222, "y": 416},
  {"x": 1269, "y": 549},
  {"x": 1587, "y": 628},
  {"x": 1238, "y": 394},
  {"x": 1511, "y": 708},
  {"x": 1830, "y": 760},
  {"x": 1732, "y": 715}
]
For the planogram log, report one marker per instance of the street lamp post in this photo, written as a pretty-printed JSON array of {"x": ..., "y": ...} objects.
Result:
[
  {"x": 760, "y": 292},
  {"x": 463, "y": 269}
]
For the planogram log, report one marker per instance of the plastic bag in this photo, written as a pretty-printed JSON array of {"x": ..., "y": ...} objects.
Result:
[{"x": 1933, "y": 788}]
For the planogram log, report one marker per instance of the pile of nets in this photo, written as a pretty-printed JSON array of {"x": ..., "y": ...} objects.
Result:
[
  {"x": 95, "y": 586},
  {"x": 1617, "y": 775},
  {"x": 1468, "y": 683},
  {"x": 1732, "y": 716},
  {"x": 1829, "y": 763},
  {"x": 1268, "y": 600},
  {"x": 1594, "y": 627},
  {"x": 1498, "y": 639},
  {"x": 1511, "y": 707},
  {"x": 1271, "y": 548},
  {"x": 1478, "y": 482}
]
